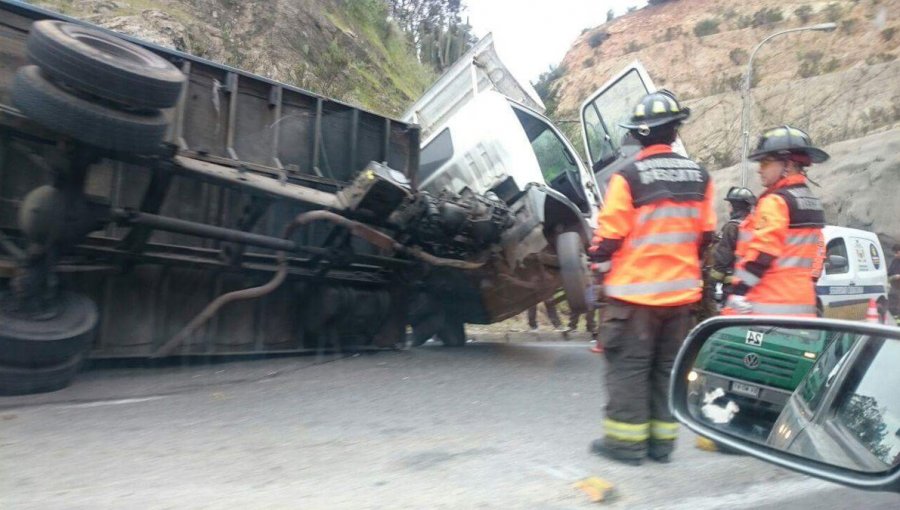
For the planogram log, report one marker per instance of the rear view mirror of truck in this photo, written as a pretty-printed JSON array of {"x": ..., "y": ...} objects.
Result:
[{"x": 816, "y": 396}]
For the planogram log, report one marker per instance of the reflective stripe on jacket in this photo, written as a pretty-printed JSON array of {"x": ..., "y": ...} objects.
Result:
[
  {"x": 655, "y": 213},
  {"x": 779, "y": 249}
]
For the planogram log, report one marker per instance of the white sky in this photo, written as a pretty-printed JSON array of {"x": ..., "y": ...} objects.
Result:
[{"x": 531, "y": 35}]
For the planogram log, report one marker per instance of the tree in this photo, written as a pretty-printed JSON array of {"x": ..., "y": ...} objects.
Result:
[
  {"x": 864, "y": 418},
  {"x": 610, "y": 15},
  {"x": 435, "y": 28},
  {"x": 544, "y": 87}
]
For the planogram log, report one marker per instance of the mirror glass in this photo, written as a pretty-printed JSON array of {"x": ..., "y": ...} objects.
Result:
[{"x": 826, "y": 395}]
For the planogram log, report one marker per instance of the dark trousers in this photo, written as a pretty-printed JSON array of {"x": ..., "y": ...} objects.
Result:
[
  {"x": 706, "y": 307},
  {"x": 551, "y": 314},
  {"x": 641, "y": 343},
  {"x": 589, "y": 319}
]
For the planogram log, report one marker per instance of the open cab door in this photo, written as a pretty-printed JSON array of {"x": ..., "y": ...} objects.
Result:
[{"x": 607, "y": 145}]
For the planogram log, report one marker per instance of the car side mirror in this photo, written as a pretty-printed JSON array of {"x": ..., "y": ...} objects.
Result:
[
  {"x": 836, "y": 262},
  {"x": 818, "y": 396}
]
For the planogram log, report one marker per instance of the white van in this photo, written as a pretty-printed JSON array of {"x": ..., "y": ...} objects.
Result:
[{"x": 855, "y": 271}]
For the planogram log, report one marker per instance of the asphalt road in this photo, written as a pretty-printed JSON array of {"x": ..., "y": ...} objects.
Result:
[{"x": 486, "y": 426}]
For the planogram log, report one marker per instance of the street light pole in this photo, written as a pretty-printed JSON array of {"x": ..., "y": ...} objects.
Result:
[{"x": 745, "y": 93}]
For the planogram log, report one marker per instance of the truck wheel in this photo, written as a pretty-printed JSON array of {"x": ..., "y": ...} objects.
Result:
[
  {"x": 452, "y": 333},
  {"x": 54, "y": 108},
  {"x": 99, "y": 63},
  {"x": 573, "y": 270},
  {"x": 64, "y": 331},
  {"x": 24, "y": 381}
]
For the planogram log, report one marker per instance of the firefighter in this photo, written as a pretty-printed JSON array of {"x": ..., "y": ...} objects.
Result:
[
  {"x": 707, "y": 306},
  {"x": 779, "y": 246},
  {"x": 656, "y": 219},
  {"x": 741, "y": 202}
]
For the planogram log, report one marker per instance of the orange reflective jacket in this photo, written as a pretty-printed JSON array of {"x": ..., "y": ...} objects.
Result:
[
  {"x": 656, "y": 215},
  {"x": 779, "y": 250}
]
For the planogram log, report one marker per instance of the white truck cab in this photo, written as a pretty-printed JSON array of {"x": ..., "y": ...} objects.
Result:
[
  {"x": 483, "y": 134},
  {"x": 855, "y": 271}
]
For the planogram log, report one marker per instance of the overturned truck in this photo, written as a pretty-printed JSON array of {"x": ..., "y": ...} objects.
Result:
[{"x": 156, "y": 204}]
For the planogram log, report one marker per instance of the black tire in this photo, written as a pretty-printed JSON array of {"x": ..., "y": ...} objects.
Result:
[
  {"x": 65, "y": 332},
  {"x": 452, "y": 333},
  {"x": 104, "y": 65},
  {"x": 24, "y": 381},
  {"x": 573, "y": 270},
  {"x": 54, "y": 108}
]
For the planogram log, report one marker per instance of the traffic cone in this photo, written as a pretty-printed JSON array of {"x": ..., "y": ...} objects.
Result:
[
  {"x": 872, "y": 314},
  {"x": 597, "y": 347}
]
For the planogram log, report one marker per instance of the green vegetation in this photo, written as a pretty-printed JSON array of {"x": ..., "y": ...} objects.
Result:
[
  {"x": 633, "y": 46},
  {"x": 888, "y": 33},
  {"x": 597, "y": 38},
  {"x": 880, "y": 58},
  {"x": 671, "y": 34},
  {"x": 738, "y": 56},
  {"x": 848, "y": 26},
  {"x": 545, "y": 89},
  {"x": 379, "y": 70},
  {"x": 706, "y": 27},
  {"x": 804, "y": 12},
  {"x": 833, "y": 12},
  {"x": 435, "y": 28},
  {"x": 766, "y": 16},
  {"x": 811, "y": 64}
]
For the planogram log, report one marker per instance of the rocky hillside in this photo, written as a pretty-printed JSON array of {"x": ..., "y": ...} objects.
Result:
[
  {"x": 857, "y": 185},
  {"x": 839, "y": 85},
  {"x": 345, "y": 50}
]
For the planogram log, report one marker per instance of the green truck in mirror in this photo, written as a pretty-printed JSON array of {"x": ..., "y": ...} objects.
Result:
[{"x": 816, "y": 395}]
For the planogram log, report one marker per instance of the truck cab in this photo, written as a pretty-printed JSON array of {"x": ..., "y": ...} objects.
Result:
[{"x": 483, "y": 134}]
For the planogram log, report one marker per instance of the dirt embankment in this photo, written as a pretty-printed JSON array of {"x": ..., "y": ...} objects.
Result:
[{"x": 343, "y": 50}]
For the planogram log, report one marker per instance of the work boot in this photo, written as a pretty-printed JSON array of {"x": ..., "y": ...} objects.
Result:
[
  {"x": 663, "y": 455},
  {"x": 599, "y": 447},
  {"x": 662, "y": 459}
]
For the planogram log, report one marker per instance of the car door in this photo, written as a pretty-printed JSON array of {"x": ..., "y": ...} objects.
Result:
[
  {"x": 871, "y": 273},
  {"x": 837, "y": 289},
  {"x": 606, "y": 144},
  {"x": 561, "y": 167}
]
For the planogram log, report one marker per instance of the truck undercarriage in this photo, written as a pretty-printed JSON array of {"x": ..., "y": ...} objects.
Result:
[{"x": 241, "y": 216}]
